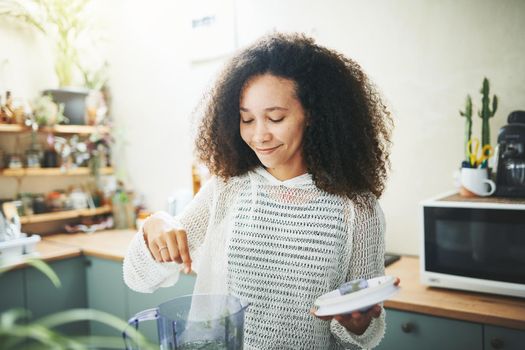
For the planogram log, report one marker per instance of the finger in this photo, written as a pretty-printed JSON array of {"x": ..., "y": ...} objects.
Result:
[
  {"x": 376, "y": 311},
  {"x": 173, "y": 247},
  {"x": 356, "y": 315},
  {"x": 182, "y": 243},
  {"x": 164, "y": 253},
  {"x": 160, "y": 248},
  {"x": 324, "y": 318},
  {"x": 154, "y": 250}
]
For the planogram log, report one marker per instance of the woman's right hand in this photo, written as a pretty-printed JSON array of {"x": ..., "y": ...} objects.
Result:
[{"x": 166, "y": 245}]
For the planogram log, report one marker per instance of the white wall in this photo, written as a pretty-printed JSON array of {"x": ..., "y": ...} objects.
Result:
[{"x": 425, "y": 56}]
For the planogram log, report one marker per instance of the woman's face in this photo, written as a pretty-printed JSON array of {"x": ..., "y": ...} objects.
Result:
[{"x": 272, "y": 123}]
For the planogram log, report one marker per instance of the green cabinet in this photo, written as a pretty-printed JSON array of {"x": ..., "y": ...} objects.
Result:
[
  {"x": 106, "y": 292},
  {"x": 12, "y": 290},
  {"x": 406, "y": 330},
  {"x": 503, "y": 338},
  {"x": 30, "y": 289}
]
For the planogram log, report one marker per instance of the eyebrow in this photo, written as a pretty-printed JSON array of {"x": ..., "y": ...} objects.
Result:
[{"x": 269, "y": 109}]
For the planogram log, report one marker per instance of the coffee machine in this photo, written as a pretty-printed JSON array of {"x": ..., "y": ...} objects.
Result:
[{"x": 510, "y": 157}]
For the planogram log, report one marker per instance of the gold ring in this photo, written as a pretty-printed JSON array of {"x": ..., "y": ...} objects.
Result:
[{"x": 165, "y": 247}]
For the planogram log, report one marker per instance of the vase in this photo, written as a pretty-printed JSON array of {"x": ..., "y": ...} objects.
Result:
[{"x": 74, "y": 101}]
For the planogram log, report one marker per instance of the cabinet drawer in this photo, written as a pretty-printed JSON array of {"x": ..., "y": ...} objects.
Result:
[
  {"x": 503, "y": 338},
  {"x": 406, "y": 330}
]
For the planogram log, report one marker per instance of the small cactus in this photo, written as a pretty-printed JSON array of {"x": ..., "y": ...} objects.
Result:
[
  {"x": 486, "y": 113},
  {"x": 468, "y": 124}
]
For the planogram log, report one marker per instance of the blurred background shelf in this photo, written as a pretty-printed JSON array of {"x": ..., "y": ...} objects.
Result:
[
  {"x": 63, "y": 215},
  {"x": 52, "y": 172},
  {"x": 57, "y": 129}
]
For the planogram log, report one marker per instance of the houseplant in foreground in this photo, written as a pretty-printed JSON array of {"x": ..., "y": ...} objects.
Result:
[{"x": 18, "y": 331}]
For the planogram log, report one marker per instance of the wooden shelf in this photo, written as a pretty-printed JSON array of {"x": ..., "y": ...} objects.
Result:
[
  {"x": 57, "y": 129},
  {"x": 76, "y": 129},
  {"x": 52, "y": 172},
  {"x": 62, "y": 215},
  {"x": 12, "y": 128}
]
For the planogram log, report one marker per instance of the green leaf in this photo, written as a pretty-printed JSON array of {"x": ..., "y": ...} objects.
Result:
[
  {"x": 46, "y": 270},
  {"x": 39, "y": 265},
  {"x": 45, "y": 337},
  {"x": 75, "y": 315},
  {"x": 15, "y": 10},
  {"x": 10, "y": 317}
]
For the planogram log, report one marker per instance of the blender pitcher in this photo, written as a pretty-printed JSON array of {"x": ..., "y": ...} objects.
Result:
[{"x": 200, "y": 321}]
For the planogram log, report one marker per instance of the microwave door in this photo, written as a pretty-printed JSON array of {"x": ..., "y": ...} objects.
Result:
[{"x": 479, "y": 243}]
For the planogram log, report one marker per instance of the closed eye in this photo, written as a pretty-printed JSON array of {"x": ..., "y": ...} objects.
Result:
[
  {"x": 277, "y": 120},
  {"x": 247, "y": 121}
]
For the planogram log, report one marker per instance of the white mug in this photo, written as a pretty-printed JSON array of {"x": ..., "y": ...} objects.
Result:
[{"x": 476, "y": 181}]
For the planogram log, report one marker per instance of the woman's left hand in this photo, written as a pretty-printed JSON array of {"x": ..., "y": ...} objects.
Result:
[{"x": 356, "y": 322}]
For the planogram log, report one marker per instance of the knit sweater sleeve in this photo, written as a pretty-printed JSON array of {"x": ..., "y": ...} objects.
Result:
[
  {"x": 366, "y": 261},
  {"x": 142, "y": 272}
]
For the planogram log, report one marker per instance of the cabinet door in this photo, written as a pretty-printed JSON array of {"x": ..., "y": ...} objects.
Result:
[
  {"x": 12, "y": 289},
  {"x": 106, "y": 292},
  {"x": 503, "y": 338},
  {"x": 406, "y": 330},
  {"x": 43, "y": 298},
  {"x": 142, "y": 301}
]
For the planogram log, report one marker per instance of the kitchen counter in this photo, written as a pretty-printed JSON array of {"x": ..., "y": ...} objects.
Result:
[
  {"x": 48, "y": 251},
  {"x": 414, "y": 297},
  {"x": 110, "y": 244},
  {"x": 461, "y": 305}
]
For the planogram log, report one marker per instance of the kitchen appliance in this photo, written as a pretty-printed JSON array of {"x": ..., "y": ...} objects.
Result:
[
  {"x": 510, "y": 157},
  {"x": 200, "y": 321},
  {"x": 14, "y": 244},
  {"x": 475, "y": 244}
]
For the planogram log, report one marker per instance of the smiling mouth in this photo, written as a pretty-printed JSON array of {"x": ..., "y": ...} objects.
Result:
[{"x": 266, "y": 150}]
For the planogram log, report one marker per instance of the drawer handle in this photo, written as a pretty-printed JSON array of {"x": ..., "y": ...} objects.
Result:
[
  {"x": 407, "y": 327},
  {"x": 497, "y": 343}
]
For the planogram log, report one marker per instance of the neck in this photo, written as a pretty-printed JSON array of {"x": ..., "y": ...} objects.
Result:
[{"x": 287, "y": 173}]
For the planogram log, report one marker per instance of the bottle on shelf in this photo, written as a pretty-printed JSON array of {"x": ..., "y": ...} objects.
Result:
[{"x": 199, "y": 174}]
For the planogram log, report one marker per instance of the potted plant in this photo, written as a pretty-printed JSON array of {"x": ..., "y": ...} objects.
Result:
[
  {"x": 65, "y": 23},
  {"x": 18, "y": 331},
  {"x": 485, "y": 113}
]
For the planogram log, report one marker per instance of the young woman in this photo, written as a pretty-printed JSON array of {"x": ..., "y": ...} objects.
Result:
[{"x": 298, "y": 140}]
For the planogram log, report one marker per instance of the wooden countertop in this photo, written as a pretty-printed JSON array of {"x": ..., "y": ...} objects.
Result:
[
  {"x": 111, "y": 244},
  {"x": 50, "y": 251},
  {"x": 468, "y": 306},
  {"x": 47, "y": 251}
]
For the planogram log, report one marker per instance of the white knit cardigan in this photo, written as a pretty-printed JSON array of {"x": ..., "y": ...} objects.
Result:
[{"x": 277, "y": 245}]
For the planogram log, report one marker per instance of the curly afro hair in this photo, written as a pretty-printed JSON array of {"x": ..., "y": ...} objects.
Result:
[{"x": 347, "y": 139}]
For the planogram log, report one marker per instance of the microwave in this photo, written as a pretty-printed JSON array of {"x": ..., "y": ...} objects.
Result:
[{"x": 475, "y": 244}]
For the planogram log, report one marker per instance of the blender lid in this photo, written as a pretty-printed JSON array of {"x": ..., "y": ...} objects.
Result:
[{"x": 377, "y": 290}]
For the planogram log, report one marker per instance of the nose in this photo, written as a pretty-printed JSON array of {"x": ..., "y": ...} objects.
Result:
[{"x": 261, "y": 133}]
